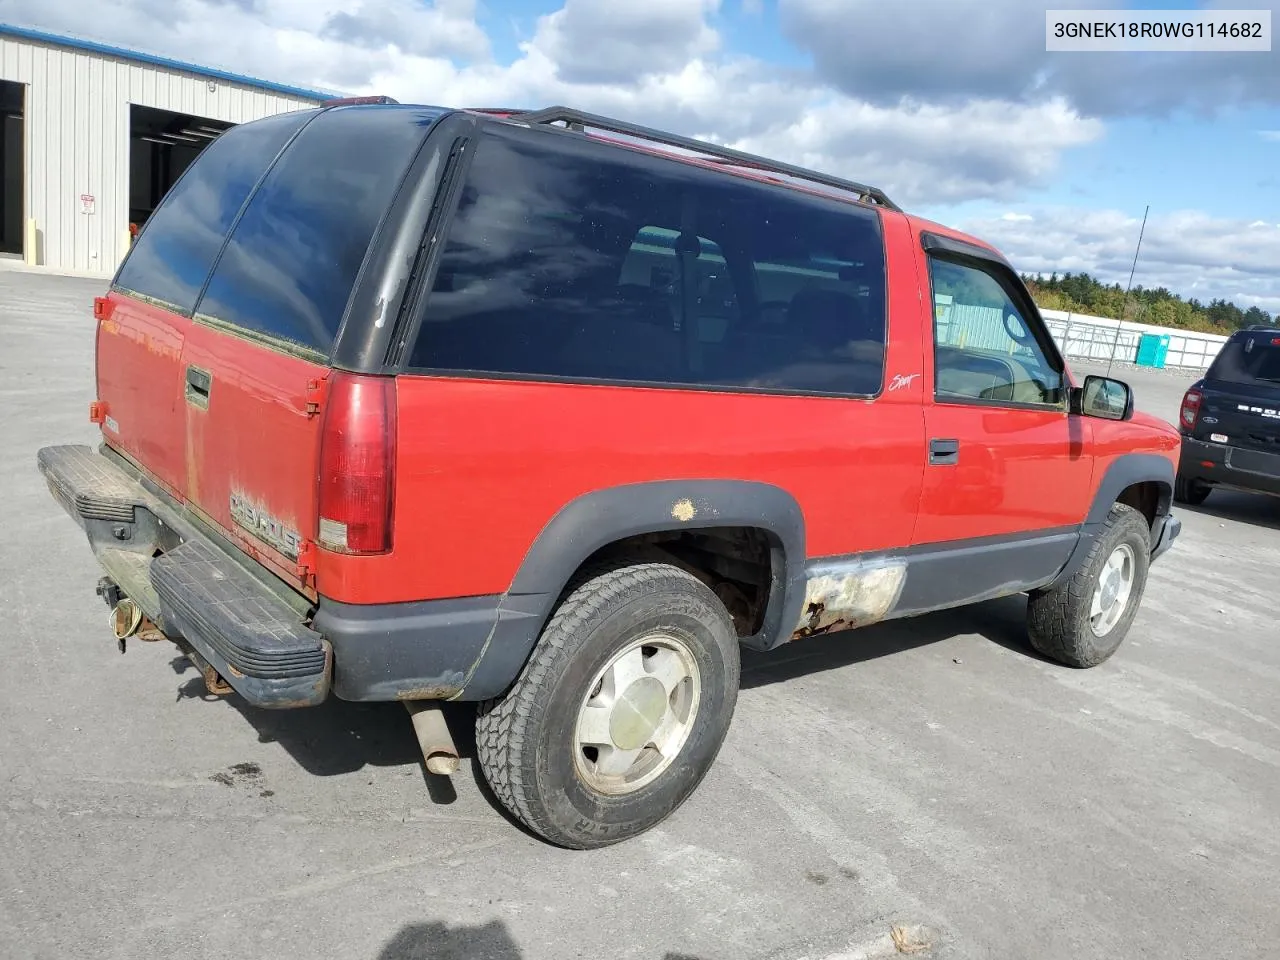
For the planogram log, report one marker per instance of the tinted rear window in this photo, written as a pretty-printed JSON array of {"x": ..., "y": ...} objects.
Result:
[
  {"x": 570, "y": 259},
  {"x": 1252, "y": 358},
  {"x": 290, "y": 265},
  {"x": 172, "y": 256}
]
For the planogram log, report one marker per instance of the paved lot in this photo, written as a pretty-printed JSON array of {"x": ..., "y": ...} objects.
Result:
[{"x": 932, "y": 773}]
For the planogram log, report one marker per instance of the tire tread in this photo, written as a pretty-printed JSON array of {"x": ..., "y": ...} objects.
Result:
[
  {"x": 1057, "y": 617},
  {"x": 505, "y": 724}
]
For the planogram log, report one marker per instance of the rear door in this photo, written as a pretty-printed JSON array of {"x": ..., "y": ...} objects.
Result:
[
  {"x": 1242, "y": 396},
  {"x": 256, "y": 359},
  {"x": 145, "y": 321}
]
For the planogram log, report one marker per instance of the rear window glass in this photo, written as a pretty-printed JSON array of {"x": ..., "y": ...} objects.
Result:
[
  {"x": 290, "y": 265},
  {"x": 1248, "y": 359},
  {"x": 172, "y": 256},
  {"x": 570, "y": 259}
]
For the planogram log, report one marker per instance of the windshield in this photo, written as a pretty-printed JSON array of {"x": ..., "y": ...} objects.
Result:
[{"x": 1248, "y": 360}]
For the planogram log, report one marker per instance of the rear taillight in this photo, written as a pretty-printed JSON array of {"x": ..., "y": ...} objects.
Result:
[
  {"x": 1190, "y": 408},
  {"x": 357, "y": 464}
]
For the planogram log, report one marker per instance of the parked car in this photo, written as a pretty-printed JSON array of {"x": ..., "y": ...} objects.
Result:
[
  {"x": 1230, "y": 420},
  {"x": 554, "y": 414}
]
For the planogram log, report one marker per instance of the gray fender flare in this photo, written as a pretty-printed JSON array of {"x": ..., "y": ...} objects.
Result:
[
  {"x": 597, "y": 519},
  {"x": 1124, "y": 472}
]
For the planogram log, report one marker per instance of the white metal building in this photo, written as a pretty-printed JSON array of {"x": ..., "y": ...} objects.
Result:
[{"x": 91, "y": 137}]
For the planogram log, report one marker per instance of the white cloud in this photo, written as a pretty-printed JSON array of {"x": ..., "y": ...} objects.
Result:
[
  {"x": 923, "y": 153},
  {"x": 1189, "y": 252},
  {"x": 659, "y": 62},
  {"x": 950, "y": 50},
  {"x": 1272, "y": 135},
  {"x": 619, "y": 41}
]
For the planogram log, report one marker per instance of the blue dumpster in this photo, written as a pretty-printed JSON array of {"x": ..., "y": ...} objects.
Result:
[{"x": 1153, "y": 350}]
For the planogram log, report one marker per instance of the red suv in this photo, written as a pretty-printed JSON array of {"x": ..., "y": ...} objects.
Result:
[{"x": 554, "y": 413}]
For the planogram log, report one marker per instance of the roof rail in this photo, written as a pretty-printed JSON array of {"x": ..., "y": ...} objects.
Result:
[
  {"x": 1263, "y": 326},
  {"x": 578, "y": 120},
  {"x": 351, "y": 101}
]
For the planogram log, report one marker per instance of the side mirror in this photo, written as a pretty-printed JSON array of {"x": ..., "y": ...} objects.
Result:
[{"x": 1103, "y": 398}]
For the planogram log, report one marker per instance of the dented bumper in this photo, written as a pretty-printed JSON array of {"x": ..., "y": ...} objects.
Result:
[{"x": 229, "y": 611}]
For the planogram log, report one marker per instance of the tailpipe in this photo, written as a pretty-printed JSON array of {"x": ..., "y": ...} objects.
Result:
[
  {"x": 434, "y": 739},
  {"x": 126, "y": 618}
]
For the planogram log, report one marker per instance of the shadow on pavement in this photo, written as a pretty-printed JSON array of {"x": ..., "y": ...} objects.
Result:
[
  {"x": 1003, "y": 622},
  {"x": 439, "y": 941},
  {"x": 1256, "y": 509},
  {"x": 340, "y": 737}
]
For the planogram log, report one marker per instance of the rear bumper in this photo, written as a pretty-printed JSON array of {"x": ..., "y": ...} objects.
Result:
[
  {"x": 227, "y": 610},
  {"x": 1253, "y": 470}
]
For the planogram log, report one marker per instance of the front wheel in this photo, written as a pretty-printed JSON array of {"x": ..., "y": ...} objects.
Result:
[
  {"x": 1081, "y": 622},
  {"x": 620, "y": 711}
]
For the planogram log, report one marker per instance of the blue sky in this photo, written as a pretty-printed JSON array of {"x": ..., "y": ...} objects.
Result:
[{"x": 953, "y": 106}]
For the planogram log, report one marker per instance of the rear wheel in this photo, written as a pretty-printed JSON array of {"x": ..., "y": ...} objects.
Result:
[
  {"x": 1082, "y": 622},
  {"x": 620, "y": 711},
  {"x": 1191, "y": 492}
]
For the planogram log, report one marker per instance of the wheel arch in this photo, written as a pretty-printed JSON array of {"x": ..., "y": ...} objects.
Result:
[
  {"x": 595, "y": 521},
  {"x": 1141, "y": 480}
]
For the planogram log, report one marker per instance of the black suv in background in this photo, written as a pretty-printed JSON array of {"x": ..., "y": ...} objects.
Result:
[{"x": 1230, "y": 420}]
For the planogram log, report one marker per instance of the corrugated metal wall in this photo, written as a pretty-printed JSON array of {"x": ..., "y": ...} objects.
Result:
[{"x": 77, "y": 139}]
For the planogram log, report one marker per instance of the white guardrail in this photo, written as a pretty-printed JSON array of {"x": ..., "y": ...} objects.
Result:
[{"x": 1082, "y": 337}]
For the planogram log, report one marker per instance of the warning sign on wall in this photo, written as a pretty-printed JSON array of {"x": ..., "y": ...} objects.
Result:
[{"x": 87, "y": 201}]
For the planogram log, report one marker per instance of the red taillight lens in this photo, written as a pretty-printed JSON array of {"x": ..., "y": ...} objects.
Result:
[
  {"x": 357, "y": 464},
  {"x": 1191, "y": 407}
]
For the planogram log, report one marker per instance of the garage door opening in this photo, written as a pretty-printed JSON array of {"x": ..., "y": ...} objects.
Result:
[
  {"x": 162, "y": 144},
  {"x": 12, "y": 97}
]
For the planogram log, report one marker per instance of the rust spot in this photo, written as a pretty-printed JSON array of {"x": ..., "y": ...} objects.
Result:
[
  {"x": 848, "y": 595},
  {"x": 442, "y": 691},
  {"x": 684, "y": 510}
]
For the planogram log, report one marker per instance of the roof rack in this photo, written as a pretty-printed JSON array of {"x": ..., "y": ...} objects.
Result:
[
  {"x": 1263, "y": 326},
  {"x": 578, "y": 120},
  {"x": 352, "y": 101}
]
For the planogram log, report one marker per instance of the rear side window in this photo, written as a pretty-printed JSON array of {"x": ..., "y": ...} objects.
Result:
[
  {"x": 176, "y": 248},
  {"x": 570, "y": 259},
  {"x": 1248, "y": 359},
  {"x": 288, "y": 270}
]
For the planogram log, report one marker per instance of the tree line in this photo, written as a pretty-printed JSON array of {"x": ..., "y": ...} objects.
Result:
[{"x": 1081, "y": 293}]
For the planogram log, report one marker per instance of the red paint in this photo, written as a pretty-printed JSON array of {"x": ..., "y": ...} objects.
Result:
[
  {"x": 257, "y": 438},
  {"x": 139, "y": 362}
]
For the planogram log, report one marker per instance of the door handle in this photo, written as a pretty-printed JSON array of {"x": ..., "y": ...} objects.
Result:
[
  {"x": 944, "y": 453},
  {"x": 199, "y": 383}
]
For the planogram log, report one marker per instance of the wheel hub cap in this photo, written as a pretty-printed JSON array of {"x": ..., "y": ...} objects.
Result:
[
  {"x": 637, "y": 714},
  {"x": 1115, "y": 587},
  {"x": 635, "y": 717}
]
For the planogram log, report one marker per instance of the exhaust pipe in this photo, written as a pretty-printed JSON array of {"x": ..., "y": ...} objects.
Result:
[
  {"x": 434, "y": 739},
  {"x": 126, "y": 617}
]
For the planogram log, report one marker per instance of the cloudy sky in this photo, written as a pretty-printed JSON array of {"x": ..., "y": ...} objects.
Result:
[{"x": 952, "y": 106}]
